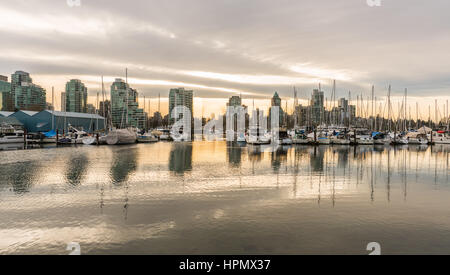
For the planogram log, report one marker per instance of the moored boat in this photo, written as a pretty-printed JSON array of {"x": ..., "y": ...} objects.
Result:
[
  {"x": 121, "y": 136},
  {"x": 439, "y": 137},
  {"x": 299, "y": 137},
  {"x": 147, "y": 138}
]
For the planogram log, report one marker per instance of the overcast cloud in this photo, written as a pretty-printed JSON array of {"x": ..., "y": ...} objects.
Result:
[{"x": 225, "y": 47}]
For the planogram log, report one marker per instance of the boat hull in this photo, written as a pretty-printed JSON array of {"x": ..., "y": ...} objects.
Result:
[
  {"x": 441, "y": 141},
  {"x": 11, "y": 140},
  {"x": 121, "y": 137},
  {"x": 341, "y": 142},
  {"x": 146, "y": 139},
  {"x": 382, "y": 141},
  {"x": 300, "y": 141},
  {"x": 324, "y": 141}
]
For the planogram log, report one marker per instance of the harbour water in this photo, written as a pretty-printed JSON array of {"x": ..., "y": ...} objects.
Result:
[{"x": 219, "y": 198}]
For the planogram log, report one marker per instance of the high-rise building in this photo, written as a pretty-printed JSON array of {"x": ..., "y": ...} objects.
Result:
[
  {"x": 105, "y": 108},
  {"x": 124, "y": 106},
  {"x": 63, "y": 102},
  {"x": 352, "y": 113},
  {"x": 234, "y": 101},
  {"x": 49, "y": 106},
  {"x": 91, "y": 109},
  {"x": 343, "y": 104},
  {"x": 76, "y": 96},
  {"x": 25, "y": 95},
  {"x": 317, "y": 107},
  {"x": 5, "y": 94},
  {"x": 180, "y": 97},
  {"x": 276, "y": 102},
  {"x": 302, "y": 115}
]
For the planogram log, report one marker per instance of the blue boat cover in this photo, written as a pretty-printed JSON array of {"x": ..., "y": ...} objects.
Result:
[{"x": 52, "y": 133}]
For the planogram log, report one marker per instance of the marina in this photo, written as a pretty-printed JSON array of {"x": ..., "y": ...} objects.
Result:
[{"x": 217, "y": 135}]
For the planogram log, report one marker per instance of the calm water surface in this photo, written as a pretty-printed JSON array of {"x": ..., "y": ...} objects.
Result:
[{"x": 219, "y": 198}]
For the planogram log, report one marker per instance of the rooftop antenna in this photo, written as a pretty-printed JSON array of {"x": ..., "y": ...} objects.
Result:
[{"x": 126, "y": 75}]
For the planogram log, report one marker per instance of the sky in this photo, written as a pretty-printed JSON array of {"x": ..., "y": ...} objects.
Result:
[{"x": 221, "y": 48}]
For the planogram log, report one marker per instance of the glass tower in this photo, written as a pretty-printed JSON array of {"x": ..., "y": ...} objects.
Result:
[
  {"x": 25, "y": 95},
  {"x": 180, "y": 97},
  {"x": 125, "y": 110},
  {"x": 5, "y": 94},
  {"x": 76, "y": 96}
]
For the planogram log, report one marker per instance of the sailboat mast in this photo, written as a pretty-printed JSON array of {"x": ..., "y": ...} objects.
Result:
[
  {"x": 447, "y": 116},
  {"x": 406, "y": 109},
  {"x": 389, "y": 108},
  {"x": 436, "y": 111},
  {"x": 373, "y": 106},
  {"x": 53, "y": 108},
  {"x": 417, "y": 115}
]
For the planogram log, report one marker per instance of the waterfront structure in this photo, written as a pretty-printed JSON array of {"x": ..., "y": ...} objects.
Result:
[
  {"x": 47, "y": 120},
  {"x": 5, "y": 113},
  {"x": 14, "y": 122},
  {"x": 25, "y": 117},
  {"x": 76, "y": 96},
  {"x": 5, "y": 94},
  {"x": 180, "y": 97},
  {"x": 24, "y": 94},
  {"x": 124, "y": 106}
]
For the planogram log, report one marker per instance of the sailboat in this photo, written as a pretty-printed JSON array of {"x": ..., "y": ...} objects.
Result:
[
  {"x": 417, "y": 138},
  {"x": 92, "y": 140},
  {"x": 144, "y": 137},
  {"x": 300, "y": 137},
  {"x": 284, "y": 137},
  {"x": 381, "y": 138},
  {"x": 340, "y": 138}
]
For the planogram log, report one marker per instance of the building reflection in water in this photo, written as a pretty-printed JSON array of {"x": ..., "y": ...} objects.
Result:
[
  {"x": 317, "y": 154},
  {"x": 76, "y": 169},
  {"x": 19, "y": 175},
  {"x": 278, "y": 157},
  {"x": 124, "y": 164},
  {"x": 343, "y": 154},
  {"x": 234, "y": 154},
  {"x": 180, "y": 157}
]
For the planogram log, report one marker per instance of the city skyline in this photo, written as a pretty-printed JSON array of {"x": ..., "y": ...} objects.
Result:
[{"x": 203, "y": 107}]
